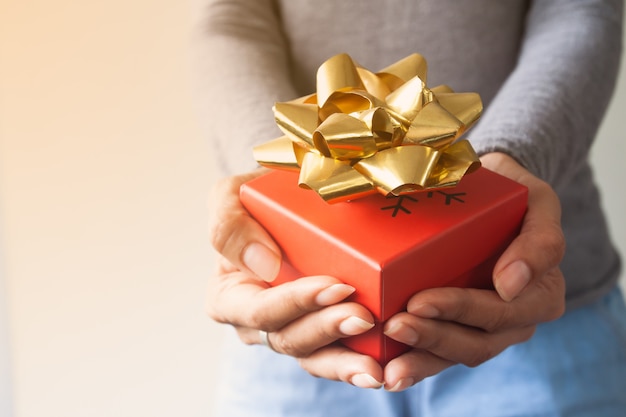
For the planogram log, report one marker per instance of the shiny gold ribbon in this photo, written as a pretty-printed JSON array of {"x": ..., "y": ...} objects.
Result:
[{"x": 364, "y": 132}]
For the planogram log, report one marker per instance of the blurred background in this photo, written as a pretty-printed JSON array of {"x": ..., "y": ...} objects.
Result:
[{"x": 104, "y": 174}]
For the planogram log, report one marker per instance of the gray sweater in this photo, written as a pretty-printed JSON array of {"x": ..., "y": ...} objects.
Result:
[{"x": 545, "y": 70}]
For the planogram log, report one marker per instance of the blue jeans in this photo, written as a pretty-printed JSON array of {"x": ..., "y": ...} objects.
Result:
[{"x": 575, "y": 366}]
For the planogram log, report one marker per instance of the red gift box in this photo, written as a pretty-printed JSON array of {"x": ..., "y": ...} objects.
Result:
[{"x": 390, "y": 248}]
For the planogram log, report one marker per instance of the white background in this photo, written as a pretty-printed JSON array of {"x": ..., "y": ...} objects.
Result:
[{"x": 103, "y": 179}]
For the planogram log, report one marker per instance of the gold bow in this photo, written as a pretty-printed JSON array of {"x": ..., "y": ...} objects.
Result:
[{"x": 364, "y": 132}]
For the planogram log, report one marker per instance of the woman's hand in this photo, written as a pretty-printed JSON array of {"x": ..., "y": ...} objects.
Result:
[
  {"x": 446, "y": 326},
  {"x": 304, "y": 318}
]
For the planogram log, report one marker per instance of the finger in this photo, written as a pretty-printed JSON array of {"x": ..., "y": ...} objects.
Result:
[
  {"x": 339, "y": 363},
  {"x": 412, "y": 367},
  {"x": 452, "y": 341},
  {"x": 542, "y": 301},
  {"x": 236, "y": 298},
  {"x": 540, "y": 245},
  {"x": 237, "y": 236},
  {"x": 224, "y": 266},
  {"x": 313, "y": 331}
]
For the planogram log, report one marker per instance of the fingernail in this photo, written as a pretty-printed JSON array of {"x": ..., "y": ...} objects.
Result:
[
  {"x": 402, "y": 333},
  {"x": 425, "y": 311},
  {"x": 354, "y": 325},
  {"x": 512, "y": 280},
  {"x": 365, "y": 381},
  {"x": 402, "y": 384},
  {"x": 333, "y": 294},
  {"x": 262, "y": 261}
]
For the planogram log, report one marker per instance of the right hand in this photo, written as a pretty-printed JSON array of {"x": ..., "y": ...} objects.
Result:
[{"x": 304, "y": 318}]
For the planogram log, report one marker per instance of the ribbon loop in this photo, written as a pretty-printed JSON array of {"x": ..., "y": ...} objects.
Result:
[
  {"x": 346, "y": 137},
  {"x": 363, "y": 132}
]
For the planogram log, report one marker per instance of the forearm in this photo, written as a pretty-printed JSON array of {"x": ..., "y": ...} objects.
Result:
[
  {"x": 244, "y": 70},
  {"x": 548, "y": 112}
]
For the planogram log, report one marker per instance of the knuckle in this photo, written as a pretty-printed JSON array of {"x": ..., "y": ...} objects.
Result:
[
  {"x": 497, "y": 321},
  {"x": 556, "y": 311},
  {"x": 225, "y": 186},
  {"x": 492, "y": 347},
  {"x": 284, "y": 345},
  {"x": 554, "y": 241},
  {"x": 222, "y": 231},
  {"x": 305, "y": 363},
  {"x": 255, "y": 319},
  {"x": 462, "y": 300},
  {"x": 433, "y": 344},
  {"x": 211, "y": 312},
  {"x": 299, "y": 304},
  {"x": 216, "y": 305},
  {"x": 259, "y": 317},
  {"x": 292, "y": 297},
  {"x": 479, "y": 356},
  {"x": 554, "y": 290},
  {"x": 245, "y": 337},
  {"x": 211, "y": 306},
  {"x": 227, "y": 214},
  {"x": 527, "y": 333}
]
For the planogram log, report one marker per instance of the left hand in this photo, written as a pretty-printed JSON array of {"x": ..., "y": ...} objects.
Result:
[
  {"x": 305, "y": 317},
  {"x": 446, "y": 326}
]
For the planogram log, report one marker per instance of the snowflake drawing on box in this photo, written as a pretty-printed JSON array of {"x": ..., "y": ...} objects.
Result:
[
  {"x": 450, "y": 197},
  {"x": 401, "y": 201},
  {"x": 398, "y": 205}
]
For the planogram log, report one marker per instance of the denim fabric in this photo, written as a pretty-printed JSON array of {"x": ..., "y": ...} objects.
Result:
[{"x": 574, "y": 367}]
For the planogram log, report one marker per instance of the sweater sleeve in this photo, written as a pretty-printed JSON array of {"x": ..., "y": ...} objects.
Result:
[
  {"x": 549, "y": 109},
  {"x": 243, "y": 70}
]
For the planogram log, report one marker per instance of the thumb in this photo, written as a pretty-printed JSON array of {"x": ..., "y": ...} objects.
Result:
[
  {"x": 237, "y": 236},
  {"x": 540, "y": 246}
]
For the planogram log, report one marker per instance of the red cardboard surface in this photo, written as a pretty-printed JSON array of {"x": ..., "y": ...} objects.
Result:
[{"x": 390, "y": 248}]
